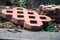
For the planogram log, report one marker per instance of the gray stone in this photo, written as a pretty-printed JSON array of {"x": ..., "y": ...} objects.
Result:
[{"x": 29, "y": 35}]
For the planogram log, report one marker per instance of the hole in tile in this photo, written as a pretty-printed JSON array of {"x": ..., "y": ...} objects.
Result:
[
  {"x": 30, "y": 12},
  {"x": 32, "y": 17},
  {"x": 19, "y": 12},
  {"x": 20, "y": 16},
  {"x": 42, "y": 17},
  {"x": 33, "y": 21},
  {"x": 9, "y": 11}
]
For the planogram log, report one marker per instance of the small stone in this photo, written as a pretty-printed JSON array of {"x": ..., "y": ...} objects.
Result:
[
  {"x": 17, "y": 30},
  {"x": 59, "y": 30}
]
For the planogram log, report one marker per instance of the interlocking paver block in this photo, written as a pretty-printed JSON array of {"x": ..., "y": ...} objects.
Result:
[{"x": 30, "y": 18}]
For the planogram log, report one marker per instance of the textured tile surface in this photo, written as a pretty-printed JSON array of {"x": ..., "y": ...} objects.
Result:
[{"x": 28, "y": 35}]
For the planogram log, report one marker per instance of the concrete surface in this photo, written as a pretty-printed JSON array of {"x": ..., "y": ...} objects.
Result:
[{"x": 29, "y": 35}]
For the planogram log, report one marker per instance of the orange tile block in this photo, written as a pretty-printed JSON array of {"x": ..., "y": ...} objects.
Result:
[{"x": 31, "y": 19}]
